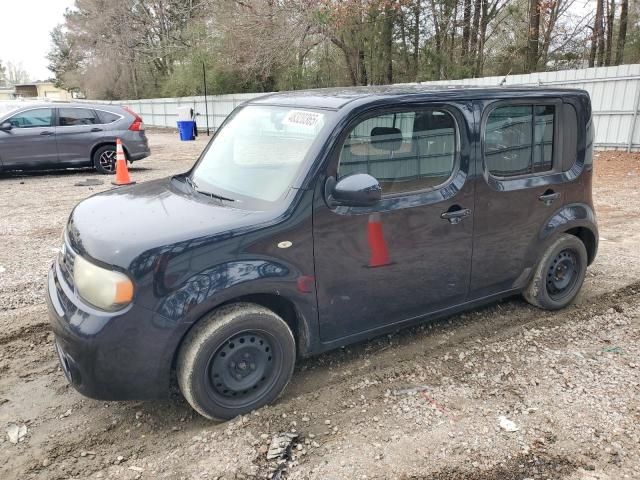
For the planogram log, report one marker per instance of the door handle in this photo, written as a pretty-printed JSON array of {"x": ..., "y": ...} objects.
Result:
[
  {"x": 46, "y": 133},
  {"x": 96, "y": 129},
  {"x": 455, "y": 214},
  {"x": 549, "y": 197}
]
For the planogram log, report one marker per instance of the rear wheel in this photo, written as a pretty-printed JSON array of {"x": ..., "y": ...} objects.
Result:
[
  {"x": 104, "y": 159},
  {"x": 559, "y": 275},
  {"x": 236, "y": 360}
]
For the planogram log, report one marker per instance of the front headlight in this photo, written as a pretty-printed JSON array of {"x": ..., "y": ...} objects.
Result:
[{"x": 102, "y": 288}]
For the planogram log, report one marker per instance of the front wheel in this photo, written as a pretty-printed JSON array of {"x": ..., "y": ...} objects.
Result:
[
  {"x": 236, "y": 360},
  {"x": 559, "y": 275}
]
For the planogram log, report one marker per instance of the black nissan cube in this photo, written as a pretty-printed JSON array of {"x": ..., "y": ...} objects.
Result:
[{"x": 315, "y": 219}]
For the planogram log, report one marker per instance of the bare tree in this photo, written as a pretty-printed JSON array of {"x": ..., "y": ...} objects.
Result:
[
  {"x": 466, "y": 28},
  {"x": 597, "y": 40},
  {"x": 622, "y": 32},
  {"x": 16, "y": 74},
  {"x": 534, "y": 35},
  {"x": 2, "y": 74},
  {"x": 554, "y": 11},
  {"x": 135, "y": 48},
  {"x": 609, "y": 37},
  {"x": 387, "y": 39}
]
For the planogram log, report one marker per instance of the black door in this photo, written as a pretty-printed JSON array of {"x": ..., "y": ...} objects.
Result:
[
  {"x": 401, "y": 259},
  {"x": 521, "y": 185}
]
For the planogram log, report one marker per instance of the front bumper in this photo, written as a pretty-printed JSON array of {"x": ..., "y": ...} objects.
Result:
[{"x": 111, "y": 356}]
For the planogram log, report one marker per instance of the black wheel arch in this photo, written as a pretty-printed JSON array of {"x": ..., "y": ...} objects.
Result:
[
  {"x": 576, "y": 219},
  {"x": 588, "y": 238},
  {"x": 282, "y": 306},
  {"x": 104, "y": 144}
]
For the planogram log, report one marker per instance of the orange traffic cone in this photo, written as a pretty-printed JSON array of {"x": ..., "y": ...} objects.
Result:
[
  {"x": 122, "y": 172},
  {"x": 377, "y": 244}
]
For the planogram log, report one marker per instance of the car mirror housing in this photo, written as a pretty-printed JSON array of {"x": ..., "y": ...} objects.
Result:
[
  {"x": 6, "y": 126},
  {"x": 356, "y": 190}
]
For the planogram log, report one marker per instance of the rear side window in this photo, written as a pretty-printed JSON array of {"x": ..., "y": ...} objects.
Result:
[
  {"x": 71, "y": 117},
  {"x": 519, "y": 140},
  {"x": 39, "y": 117},
  {"x": 588, "y": 160},
  {"x": 107, "y": 117},
  {"x": 569, "y": 136},
  {"x": 405, "y": 152}
]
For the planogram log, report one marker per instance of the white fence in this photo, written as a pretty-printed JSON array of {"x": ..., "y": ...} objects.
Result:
[
  {"x": 163, "y": 112},
  {"x": 615, "y": 97}
]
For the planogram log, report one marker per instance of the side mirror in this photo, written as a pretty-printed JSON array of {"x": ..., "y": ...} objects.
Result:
[
  {"x": 356, "y": 190},
  {"x": 6, "y": 126}
]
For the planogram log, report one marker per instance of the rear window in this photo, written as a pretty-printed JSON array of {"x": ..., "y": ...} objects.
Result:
[
  {"x": 107, "y": 117},
  {"x": 519, "y": 140},
  {"x": 71, "y": 117}
]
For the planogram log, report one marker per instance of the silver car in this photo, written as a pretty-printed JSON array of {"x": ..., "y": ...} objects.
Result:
[{"x": 69, "y": 135}]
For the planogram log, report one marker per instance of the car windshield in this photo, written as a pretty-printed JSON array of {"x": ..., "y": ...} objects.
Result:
[{"x": 258, "y": 153}]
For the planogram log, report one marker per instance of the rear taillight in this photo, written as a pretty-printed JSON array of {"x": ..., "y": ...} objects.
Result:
[{"x": 137, "y": 125}]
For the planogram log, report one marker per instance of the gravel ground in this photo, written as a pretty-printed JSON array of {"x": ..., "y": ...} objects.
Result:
[{"x": 505, "y": 392}]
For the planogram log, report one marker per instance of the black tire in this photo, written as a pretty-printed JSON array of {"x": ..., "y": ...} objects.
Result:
[
  {"x": 104, "y": 159},
  {"x": 236, "y": 360},
  {"x": 559, "y": 275}
]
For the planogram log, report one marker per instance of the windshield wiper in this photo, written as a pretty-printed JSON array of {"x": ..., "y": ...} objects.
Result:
[
  {"x": 190, "y": 181},
  {"x": 215, "y": 195}
]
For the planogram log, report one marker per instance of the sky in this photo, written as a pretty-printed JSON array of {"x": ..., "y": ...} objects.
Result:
[{"x": 25, "y": 26}]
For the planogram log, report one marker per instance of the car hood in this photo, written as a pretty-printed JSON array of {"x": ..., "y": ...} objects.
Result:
[{"x": 118, "y": 226}]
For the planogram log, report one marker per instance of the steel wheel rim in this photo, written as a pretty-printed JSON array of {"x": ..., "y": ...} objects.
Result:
[
  {"x": 107, "y": 160},
  {"x": 562, "y": 274},
  {"x": 243, "y": 369}
]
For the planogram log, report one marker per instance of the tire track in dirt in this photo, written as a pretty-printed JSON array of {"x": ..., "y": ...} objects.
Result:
[
  {"x": 25, "y": 333},
  {"x": 517, "y": 468}
]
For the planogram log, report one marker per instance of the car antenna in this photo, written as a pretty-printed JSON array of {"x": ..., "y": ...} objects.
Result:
[{"x": 504, "y": 80}]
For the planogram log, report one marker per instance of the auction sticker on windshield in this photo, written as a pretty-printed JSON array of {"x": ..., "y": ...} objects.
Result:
[{"x": 303, "y": 118}]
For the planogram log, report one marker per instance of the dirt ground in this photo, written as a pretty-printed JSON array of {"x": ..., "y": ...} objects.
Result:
[{"x": 425, "y": 403}]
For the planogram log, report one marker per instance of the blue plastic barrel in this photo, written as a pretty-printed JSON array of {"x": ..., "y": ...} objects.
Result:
[{"x": 187, "y": 129}]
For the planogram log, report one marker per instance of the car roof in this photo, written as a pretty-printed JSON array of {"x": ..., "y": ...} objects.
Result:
[
  {"x": 18, "y": 105},
  {"x": 337, "y": 98},
  {"x": 11, "y": 108}
]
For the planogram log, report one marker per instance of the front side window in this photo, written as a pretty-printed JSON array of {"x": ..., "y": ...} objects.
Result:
[
  {"x": 72, "y": 117},
  {"x": 259, "y": 152},
  {"x": 406, "y": 151},
  {"x": 39, "y": 117},
  {"x": 519, "y": 140}
]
